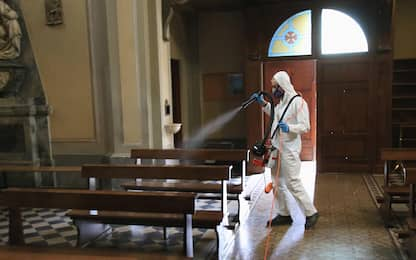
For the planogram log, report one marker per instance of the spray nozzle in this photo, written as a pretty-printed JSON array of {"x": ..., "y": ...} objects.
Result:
[{"x": 249, "y": 101}]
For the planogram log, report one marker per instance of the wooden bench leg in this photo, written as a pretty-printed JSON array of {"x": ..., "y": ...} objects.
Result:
[
  {"x": 188, "y": 241},
  {"x": 411, "y": 245},
  {"x": 386, "y": 211},
  {"x": 15, "y": 227},
  {"x": 165, "y": 233},
  {"x": 238, "y": 209},
  {"x": 89, "y": 231},
  {"x": 237, "y": 218}
]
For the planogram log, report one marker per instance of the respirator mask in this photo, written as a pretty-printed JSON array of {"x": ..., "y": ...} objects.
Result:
[{"x": 278, "y": 92}]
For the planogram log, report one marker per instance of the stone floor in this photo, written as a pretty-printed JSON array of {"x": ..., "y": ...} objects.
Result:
[{"x": 349, "y": 226}]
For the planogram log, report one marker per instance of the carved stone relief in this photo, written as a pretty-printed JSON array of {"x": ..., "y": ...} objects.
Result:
[
  {"x": 23, "y": 106},
  {"x": 10, "y": 32},
  {"x": 53, "y": 10}
]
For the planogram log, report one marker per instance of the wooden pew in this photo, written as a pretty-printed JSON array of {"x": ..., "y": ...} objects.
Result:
[
  {"x": 395, "y": 193},
  {"x": 54, "y": 253},
  {"x": 157, "y": 206},
  {"x": 30, "y": 168},
  {"x": 411, "y": 220},
  {"x": 235, "y": 157},
  {"x": 201, "y": 218},
  {"x": 36, "y": 169}
]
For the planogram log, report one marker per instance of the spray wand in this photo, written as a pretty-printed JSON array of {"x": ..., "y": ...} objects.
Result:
[{"x": 259, "y": 148}]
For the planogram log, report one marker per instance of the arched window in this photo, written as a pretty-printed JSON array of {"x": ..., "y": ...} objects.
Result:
[
  {"x": 341, "y": 34},
  {"x": 293, "y": 37}
]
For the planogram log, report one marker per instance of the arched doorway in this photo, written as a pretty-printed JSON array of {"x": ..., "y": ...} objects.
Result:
[{"x": 335, "y": 80}]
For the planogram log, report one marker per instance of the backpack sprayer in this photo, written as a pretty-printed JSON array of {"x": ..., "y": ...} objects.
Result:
[{"x": 259, "y": 148}]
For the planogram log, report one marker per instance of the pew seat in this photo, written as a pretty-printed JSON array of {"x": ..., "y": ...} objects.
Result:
[
  {"x": 88, "y": 221},
  {"x": 181, "y": 186},
  {"x": 200, "y": 219},
  {"x": 403, "y": 158}
]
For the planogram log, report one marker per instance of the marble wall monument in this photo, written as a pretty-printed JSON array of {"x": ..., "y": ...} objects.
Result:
[{"x": 24, "y": 126}]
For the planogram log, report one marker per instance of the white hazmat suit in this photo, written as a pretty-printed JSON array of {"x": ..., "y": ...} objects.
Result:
[{"x": 297, "y": 118}]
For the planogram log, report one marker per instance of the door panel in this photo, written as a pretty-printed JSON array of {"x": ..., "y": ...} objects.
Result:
[
  {"x": 355, "y": 107},
  {"x": 303, "y": 76},
  {"x": 345, "y": 72},
  {"x": 330, "y": 120},
  {"x": 343, "y": 114}
]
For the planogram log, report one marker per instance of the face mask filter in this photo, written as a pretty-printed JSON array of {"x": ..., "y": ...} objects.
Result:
[{"x": 278, "y": 92}]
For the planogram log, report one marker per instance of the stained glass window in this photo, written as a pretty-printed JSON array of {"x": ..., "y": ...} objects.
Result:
[{"x": 293, "y": 37}]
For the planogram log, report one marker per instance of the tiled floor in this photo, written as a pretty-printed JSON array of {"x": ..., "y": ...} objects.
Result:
[
  {"x": 349, "y": 228},
  {"x": 43, "y": 227}
]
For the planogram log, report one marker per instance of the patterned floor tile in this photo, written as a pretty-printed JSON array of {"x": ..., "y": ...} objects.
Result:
[{"x": 50, "y": 227}]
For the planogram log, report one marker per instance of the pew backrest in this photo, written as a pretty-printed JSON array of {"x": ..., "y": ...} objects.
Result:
[
  {"x": 185, "y": 172},
  {"x": 388, "y": 155},
  {"x": 176, "y": 202},
  {"x": 235, "y": 155},
  {"x": 399, "y": 154},
  {"x": 141, "y": 202}
]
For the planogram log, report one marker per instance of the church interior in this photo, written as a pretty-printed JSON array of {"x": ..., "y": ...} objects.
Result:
[{"x": 144, "y": 129}]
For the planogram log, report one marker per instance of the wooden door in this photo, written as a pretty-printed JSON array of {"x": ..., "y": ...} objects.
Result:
[
  {"x": 303, "y": 76},
  {"x": 343, "y": 114}
]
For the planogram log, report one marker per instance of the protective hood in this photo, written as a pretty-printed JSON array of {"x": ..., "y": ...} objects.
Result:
[{"x": 283, "y": 79}]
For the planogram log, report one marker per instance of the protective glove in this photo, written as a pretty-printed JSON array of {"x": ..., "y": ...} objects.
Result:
[
  {"x": 284, "y": 127},
  {"x": 259, "y": 98}
]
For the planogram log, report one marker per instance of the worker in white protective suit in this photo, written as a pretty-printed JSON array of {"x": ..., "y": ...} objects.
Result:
[{"x": 286, "y": 134}]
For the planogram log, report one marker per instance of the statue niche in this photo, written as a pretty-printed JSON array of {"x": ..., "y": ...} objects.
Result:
[{"x": 10, "y": 32}]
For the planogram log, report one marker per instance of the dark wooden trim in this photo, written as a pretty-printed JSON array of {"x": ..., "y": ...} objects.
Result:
[
  {"x": 19, "y": 168},
  {"x": 412, "y": 200},
  {"x": 402, "y": 154}
]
